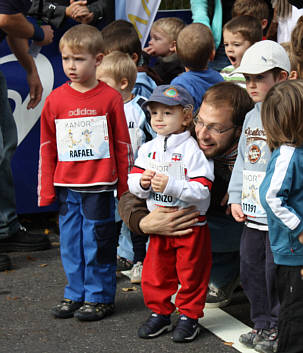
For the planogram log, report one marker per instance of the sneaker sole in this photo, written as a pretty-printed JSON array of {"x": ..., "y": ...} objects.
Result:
[
  {"x": 85, "y": 317},
  {"x": 19, "y": 247},
  {"x": 187, "y": 339},
  {"x": 164, "y": 329}
]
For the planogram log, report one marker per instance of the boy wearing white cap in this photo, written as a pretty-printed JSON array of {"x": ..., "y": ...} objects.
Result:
[
  {"x": 172, "y": 171},
  {"x": 263, "y": 65}
]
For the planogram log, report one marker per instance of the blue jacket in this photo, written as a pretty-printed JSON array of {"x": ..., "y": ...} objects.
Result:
[
  {"x": 281, "y": 194},
  {"x": 197, "y": 83}
]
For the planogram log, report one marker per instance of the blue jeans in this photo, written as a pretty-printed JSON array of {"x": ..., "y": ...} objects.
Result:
[
  {"x": 88, "y": 245},
  {"x": 8, "y": 142}
]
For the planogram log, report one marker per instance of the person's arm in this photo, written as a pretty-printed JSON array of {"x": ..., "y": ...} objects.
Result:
[
  {"x": 199, "y": 9},
  {"x": 275, "y": 191},
  {"x": 16, "y": 25},
  {"x": 162, "y": 220},
  {"x": 19, "y": 47}
]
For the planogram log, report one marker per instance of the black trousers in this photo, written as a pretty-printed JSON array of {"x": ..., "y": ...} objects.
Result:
[{"x": 290, "y": 287}]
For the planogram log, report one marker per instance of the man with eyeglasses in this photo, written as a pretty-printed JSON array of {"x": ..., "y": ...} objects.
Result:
[{"x": 218, "y": 127}]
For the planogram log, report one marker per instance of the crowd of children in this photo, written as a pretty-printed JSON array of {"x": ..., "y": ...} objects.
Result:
[{"x": 121, "y": 124}]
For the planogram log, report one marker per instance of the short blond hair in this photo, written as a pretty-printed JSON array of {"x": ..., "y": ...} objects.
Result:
[
  {"x": 195, "y": 45},
  {"x": 119, "y": 65},
  {"x": 282, "y": 114},
  {"x": 170, "y": 26},
  {"x": 81, "y": 38}
]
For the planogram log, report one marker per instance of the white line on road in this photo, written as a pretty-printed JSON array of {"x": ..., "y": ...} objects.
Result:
[{"x": 226, "y": 327}]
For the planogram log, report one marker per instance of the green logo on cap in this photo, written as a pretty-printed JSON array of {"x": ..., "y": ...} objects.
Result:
[{"x": 171, "y": 92}]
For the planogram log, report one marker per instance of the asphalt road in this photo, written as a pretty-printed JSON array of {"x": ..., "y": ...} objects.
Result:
[{"x": 36, "y": 284}]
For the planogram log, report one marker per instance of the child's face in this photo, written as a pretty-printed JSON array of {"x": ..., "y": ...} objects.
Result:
[
  {"x": 258, "y": 85},
  {"x": 160, "y": 44},
  {"x": 108, "y": 79},
  {"x": 166, "y": 120},
  {"x": 80, "y": 67},
  {"x": 235, "y": 46}
]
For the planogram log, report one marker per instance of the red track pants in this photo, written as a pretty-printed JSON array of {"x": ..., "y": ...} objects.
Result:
[{"x": 173, "y": 260}]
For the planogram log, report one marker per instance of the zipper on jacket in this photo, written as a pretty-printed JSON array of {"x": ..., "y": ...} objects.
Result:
[{"x": 165, "y": 143}]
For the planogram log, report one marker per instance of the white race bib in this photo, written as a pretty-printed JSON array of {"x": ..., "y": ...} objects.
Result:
[
  {"x": 251, "y": 205},
  {"x": 82, "y": 139},
  {"x": 174, "y": 169}
]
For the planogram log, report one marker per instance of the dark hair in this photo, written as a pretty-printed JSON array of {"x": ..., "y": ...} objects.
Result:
[
  {"x": 121, "y": 35},
  {"x": 248, "y": 26},
  {"x": 256, "y": 8},
  {"x": 232, "y": 95}
]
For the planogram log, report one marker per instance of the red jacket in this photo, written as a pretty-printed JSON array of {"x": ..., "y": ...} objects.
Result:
[{"x": 67, "y": 103}]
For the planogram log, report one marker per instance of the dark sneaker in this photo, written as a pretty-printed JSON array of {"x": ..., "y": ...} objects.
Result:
[
  {"x": 94, "y": 311},
  {"x": 123, "y": 264},
  {"x": 269, "y": 343},
  {"x": 5, "y": 262},
  {"x": 66, "y": 309},
  {"x": 187, "y": 329},
  {"x": 220, "y": 297},
  {"x": 23, "y": 240},
  {"x": 155, "y": 325},
  {"x": 252, "y": 338}
]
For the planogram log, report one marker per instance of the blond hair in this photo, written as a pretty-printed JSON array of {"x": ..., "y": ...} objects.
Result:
[
  {"x": 195, "y": 45},
  {"x": 170, "y": 26},
  {"x": 119, "y": 65},
  {"x": 81, "y": 38},
  {"x": 282, "y": 114}
]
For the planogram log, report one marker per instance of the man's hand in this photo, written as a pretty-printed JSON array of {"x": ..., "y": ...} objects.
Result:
[
  {"x": 300, "y": 238},
  {"x": 169, "y": 221},
  {"x": 236, "y": 211},
  {"x": 35, "y": 89},
  {"x": 159, "y": 182},
  {"x": 19, "y": 47},
  {"x": 146, "y": 178},
  {"x": 48, "y": 35}
]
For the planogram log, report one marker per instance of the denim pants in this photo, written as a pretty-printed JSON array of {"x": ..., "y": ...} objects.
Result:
[
  {"x": 8, "y": 142},
  {"x": 88, "y": 245},
  {"x": 258, "y": 278}
]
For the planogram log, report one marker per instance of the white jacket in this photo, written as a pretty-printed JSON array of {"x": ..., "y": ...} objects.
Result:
[{"x": 190, "y": 173}]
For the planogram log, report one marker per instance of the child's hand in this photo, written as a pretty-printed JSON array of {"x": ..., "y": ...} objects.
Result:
[
  {"x": 146, "y": 178},
  {"x": 159, "y": 182},
  {"x": 236, "y": 211},
  {"x": 149, "y": 50},
  {"x": 300, "y": 237}
]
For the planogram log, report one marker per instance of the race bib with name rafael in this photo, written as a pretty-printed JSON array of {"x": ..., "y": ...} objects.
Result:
[{"x": 82, "y": 139}]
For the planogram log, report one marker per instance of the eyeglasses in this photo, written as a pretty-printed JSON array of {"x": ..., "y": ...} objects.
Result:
[{"x": 210, "y": 128}]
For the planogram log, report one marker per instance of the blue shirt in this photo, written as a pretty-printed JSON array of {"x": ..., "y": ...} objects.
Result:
[{"x": 197, "y": 83}]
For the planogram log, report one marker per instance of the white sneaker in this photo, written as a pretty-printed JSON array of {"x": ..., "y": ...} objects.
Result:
[{"x": 135, "y": 273}]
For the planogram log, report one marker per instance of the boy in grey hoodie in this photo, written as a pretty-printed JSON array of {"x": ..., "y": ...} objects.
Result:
[{"x": 263, "y": 65}]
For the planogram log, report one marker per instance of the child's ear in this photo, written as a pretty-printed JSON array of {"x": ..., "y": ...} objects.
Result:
[
  {"x": 123, "y": 83},
  {"x": 135, "y": 58},
  {"x": 283, "y": 76},
  {"x": 264, "y": 23},
  {"x": 188, "y": 116},
  {"x": 173, "y": 47},
  {"x": 99, "y": 58},
  {"x": 293, "y": 75},
  {"x": 212, "y": 55}
]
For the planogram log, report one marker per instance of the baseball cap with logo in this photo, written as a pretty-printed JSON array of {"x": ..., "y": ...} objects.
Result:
[
  {"x": 263, "y": 56},
  {"x": 170, "y": 95}
]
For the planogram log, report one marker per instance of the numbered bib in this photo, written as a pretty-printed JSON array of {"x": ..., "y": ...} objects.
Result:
[
  {"x": 136, "y": 139},
  {"x": 175, "y": 170},
  {"x": 82, "y": 139},
  {"x": 251, "y": 204}
]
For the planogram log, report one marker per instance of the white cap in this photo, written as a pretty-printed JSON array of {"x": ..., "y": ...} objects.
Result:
[{"x": 263, "y": 56}]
